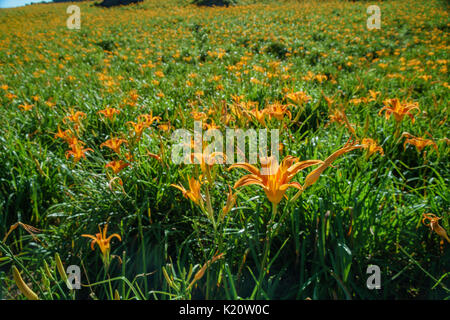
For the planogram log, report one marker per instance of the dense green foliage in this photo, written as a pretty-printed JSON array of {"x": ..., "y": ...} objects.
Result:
[{"x": 179, "y": 62}]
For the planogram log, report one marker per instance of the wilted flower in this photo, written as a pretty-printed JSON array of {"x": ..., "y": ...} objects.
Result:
[
  {"x": 231, "y": 200},
  {"x": 432, "y": 221}
]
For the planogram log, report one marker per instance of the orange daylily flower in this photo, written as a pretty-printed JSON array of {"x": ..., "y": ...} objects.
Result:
[
  {"x": 278, "y": 111},
  {"x": 247, "y": 105},
  {"x": 164, "y": 127},
  {"x": 50, "y": 103},
  {"x": 26, "y": 107},
  {"x": 371, "y": 146},
  {"x": 399, "y": 109},
  {"x": 75, "y": 117},
  {"x": 117, "y": 165},
  {"x": 275, "y": 179},
  {"x": 11, "y": 96},
  {"x": 159, "y": 74},
  {"x": 71, "y": 139},
  {"x": 373, "y": 95},
  {"x": 77, "y": 151},
  {"x": 339, "y": 116},
  {"x": 299, "y": 97},
  {"x": 66, "y": 135},
  {"x": 259, "y": 115},
  {"x": 236, "y": 99},
  {"x": 134, "y": 96},
  {"x": 148, "y": 119},
  {"x": 103, "y": 242},
  {"x": 109, "y": 113},
  {"x": 210, "y": 126},
  {"x": 137, "y": 127},
  {"x": 198, "y": 115},
  {"x": 194, "y": 191},
  {"x": 321, "y": 77},
  {"x": 432, "y": 221},
  {"x": 114, "y": 144},
  {"x": 420, "y": 143}
]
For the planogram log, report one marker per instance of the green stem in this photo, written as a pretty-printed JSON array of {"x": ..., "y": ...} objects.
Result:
[
  {"x": 209, "y": 208},
  {"x": 267, "y": 244},
  {"x": 299, "y": 192},
  {"x": 144, "y": 262}
]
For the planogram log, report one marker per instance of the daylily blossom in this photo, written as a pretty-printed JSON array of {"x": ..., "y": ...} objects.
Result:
[
  {"x": 373, "y": 95},
  {"x": 103, "y": 242},
  {"x": 138, "y": 128},
  {"x": 148, "y": 119},
  {"x": 117, "y": 165},
  {"x": 371, "y": 146},
  {"x": 207, "y": 160},
  {"x": 275, "y": 179},
  {"x": 259, "y": 115},
  {"x": 278, "y": 111},
  {"x": 420, "y": 143},
  {"x": 66, "y": 135},
  {"x": 26, "y": 107},
  {"x": 338, "y": 115},
  {"x": 299, "y": 97},
  {"x": 114, "y": 144},
  {"x": 321, "y": 77},
  {"x": 398, "y": 109},
  {"x": 164, "y": 126},
  {"x": 77, "y": 151},
  {"x": 109, "y": 113},
  {"x": 194, "y": 191},
  {"x": 75, "y": 117}
]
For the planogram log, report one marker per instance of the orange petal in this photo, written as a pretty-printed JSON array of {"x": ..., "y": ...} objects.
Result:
[
  {"x": 248, "y": 180},
  {"x": 250, "y": 168}
]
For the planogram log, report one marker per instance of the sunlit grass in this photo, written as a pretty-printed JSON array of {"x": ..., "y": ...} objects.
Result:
[{"x": 86, "y": 118}]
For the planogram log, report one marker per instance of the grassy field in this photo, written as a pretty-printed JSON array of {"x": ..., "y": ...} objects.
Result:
[{"x": 86, "y": 123}]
